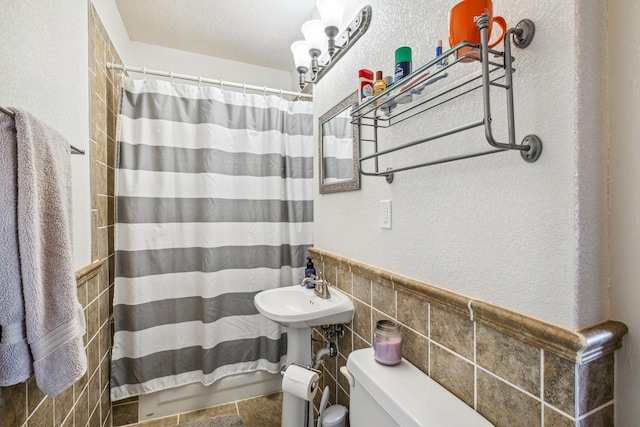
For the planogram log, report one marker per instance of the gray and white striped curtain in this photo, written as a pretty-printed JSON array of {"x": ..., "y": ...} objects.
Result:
[{"x": 214, "y": 203}]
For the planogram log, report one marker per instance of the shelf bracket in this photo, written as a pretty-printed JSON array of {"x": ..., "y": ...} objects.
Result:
[
  {"x": 523, "y": 33},
  {"x": 531, "y": 146}
]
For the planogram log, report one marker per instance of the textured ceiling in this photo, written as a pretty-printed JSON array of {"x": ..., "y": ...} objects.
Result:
[{"x": 257, "y": 32}]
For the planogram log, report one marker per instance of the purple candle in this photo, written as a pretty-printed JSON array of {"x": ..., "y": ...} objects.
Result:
[{"x": 387, "y": 343}]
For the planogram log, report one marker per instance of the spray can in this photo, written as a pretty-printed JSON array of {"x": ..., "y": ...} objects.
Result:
[
  {"x": 403, "y": 63},
  {"x": 366, "y": 84}
]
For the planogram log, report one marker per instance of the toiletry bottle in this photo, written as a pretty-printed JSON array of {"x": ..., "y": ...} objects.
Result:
[
  {"x": 366, "y": 84},
  {"x": 403, "y": 63},
  {"x": 388, "y": 104},
  {"x": 310, "y": 271},
  {"x": 378, "y": 86},
  {"x": 403, "y": 69}
]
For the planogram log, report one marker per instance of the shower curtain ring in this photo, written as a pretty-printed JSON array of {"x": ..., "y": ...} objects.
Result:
[
  {"x": 171, "y": 75},
  {"x": 200, "y": 82},
  {"x": 221, "y": 84},
  {"x": 264, "y": 93},
  {"x": 244, "y": 88},
  {"x": 281, "y": 93}
]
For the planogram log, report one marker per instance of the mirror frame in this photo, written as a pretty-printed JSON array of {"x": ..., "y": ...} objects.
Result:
[{"x": 353, "y": 183}]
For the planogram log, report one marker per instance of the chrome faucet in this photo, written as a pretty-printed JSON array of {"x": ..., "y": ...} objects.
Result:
[{"x": 322, "y": 286}]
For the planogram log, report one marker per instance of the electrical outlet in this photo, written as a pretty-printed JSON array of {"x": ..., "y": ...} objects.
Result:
[{"x": 385, "y": 213}]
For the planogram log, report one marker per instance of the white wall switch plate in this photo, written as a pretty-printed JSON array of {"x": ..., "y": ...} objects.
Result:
[{"x": 385, "y": 213}]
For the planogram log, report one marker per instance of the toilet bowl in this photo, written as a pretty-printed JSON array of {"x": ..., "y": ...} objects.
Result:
[{"x": 401, "y": 396}]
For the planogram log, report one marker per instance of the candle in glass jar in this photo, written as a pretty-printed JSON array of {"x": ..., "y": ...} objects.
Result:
[{"x": 387, "y": 343}]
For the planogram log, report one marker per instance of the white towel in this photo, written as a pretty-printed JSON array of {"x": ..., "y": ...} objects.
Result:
[
  {"x": 15, "y": 359},
  {"x": 54, "y": 318}
]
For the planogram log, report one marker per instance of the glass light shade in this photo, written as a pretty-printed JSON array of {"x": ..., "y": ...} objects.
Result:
[
  {"x": 314, "y": 34},
  {"x": 331, "y": 12},
  {"x": 300, "y": 52}
]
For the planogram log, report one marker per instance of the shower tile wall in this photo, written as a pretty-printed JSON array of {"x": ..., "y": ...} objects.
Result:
[
  {"x": 104, "y": 93},
  {"x": 87, "y": 402},
  {"x": 104, "y": 100},
  {"x": 507, "y": 380}
]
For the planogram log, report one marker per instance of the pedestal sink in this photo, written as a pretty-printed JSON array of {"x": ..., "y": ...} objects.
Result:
[{"x": 299, "y": 309}]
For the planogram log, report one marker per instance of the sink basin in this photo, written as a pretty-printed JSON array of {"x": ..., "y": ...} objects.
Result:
[{"x": 298, "y": 307}]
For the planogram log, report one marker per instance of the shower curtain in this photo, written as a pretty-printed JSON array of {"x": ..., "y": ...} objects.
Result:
[{"x": 214, "y": 203}]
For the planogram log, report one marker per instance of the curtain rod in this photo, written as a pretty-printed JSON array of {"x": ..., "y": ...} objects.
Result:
[
  {"x": 200, "y": 79},
  {"x": 74, "y": 150}
]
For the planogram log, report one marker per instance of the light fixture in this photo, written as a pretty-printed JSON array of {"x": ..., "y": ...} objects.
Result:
[{"x": 318, "y": 33}]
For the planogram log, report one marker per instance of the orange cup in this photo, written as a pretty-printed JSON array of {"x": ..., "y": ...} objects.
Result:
[{"x": 462, "y": 25}]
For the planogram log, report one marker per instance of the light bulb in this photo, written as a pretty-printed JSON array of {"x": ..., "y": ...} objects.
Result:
[
  {"x": 314, "y": 35},
  {"x": 331, "y": 12},
  {"x": 300, "y": 52}
]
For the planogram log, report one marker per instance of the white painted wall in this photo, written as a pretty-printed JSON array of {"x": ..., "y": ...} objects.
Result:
[
  {"x": 624, "y": 200},
  {"x": 178, "y": 61},
  {"x": 493, "y": 228},
  {"x": 44, "y": 70},
  {"x": 112, "y": 21}
]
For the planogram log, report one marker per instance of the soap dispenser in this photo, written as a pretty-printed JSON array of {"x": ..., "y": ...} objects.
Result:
[{"x": 309, "y": 272}]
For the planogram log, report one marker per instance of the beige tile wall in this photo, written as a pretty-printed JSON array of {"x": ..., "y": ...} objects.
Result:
[
  {"x": 104, "y": 95},
  {"x": 503, "y": 376}
]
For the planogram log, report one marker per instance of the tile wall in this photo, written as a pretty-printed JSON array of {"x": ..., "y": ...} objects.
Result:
[
  {"x": 87, "y": 402},
  {"x": 503, "y": 376},
  {"x": 104, "y": 92}
]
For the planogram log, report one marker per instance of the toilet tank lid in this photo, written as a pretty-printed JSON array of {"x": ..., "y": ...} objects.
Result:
[{"x": 410, "y": 396}]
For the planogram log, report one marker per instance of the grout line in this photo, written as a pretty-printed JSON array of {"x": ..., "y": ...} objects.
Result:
[
  {"x": 453, "y": 352},
  {"x": 576, "y": 390},
  {"x": 553, "y": 408},
  {"x": 475, "y": 367},
  {"x": 395, "y": 297},
  {"x": 542, "y": 386},
  {"x": 355, "y": 333},
  {"x": 429, "y": 337},
  {"x": 509, "y": 383},
  {"x": 359, "y": 300},
  {"x": 70, "y": 414},
  {"x": 593, "y": 411},
  {"x": 396, "y": 319}
]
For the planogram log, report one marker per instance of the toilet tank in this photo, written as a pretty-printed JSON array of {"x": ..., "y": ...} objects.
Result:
[{"x": 402, "y": 396}]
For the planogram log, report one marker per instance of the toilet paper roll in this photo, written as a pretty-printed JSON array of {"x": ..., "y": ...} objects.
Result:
[{"x": 300, "y": 382}]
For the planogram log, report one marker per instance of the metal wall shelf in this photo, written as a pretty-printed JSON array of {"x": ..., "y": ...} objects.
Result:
[{"x": 390, "y": 108}]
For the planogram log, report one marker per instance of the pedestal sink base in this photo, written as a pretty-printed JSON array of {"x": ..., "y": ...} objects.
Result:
[{"x": 298, "y": 351}]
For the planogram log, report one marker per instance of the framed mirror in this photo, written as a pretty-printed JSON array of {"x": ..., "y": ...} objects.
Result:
[{"x": 338, "y": 146}]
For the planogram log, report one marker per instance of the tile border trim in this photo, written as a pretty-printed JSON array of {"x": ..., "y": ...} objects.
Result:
[
  {"x": 580, "y": 346},
  {"x": 88, "y": 272}
]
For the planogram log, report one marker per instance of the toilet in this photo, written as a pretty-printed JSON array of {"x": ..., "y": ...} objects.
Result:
[{"x": 401, "y": 396}]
